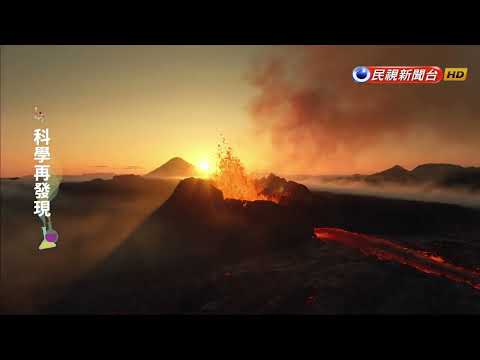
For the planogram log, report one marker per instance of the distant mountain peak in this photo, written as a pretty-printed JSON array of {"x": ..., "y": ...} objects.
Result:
[
  {"x": 176, "y": 159},
  {"x": 436, "y": 171},
  {"x": 444, "y": 166},
  {"x": 440, "y": 174},
  {"x": 396, "y": 170},
  {"x": 175, "y": 167}
]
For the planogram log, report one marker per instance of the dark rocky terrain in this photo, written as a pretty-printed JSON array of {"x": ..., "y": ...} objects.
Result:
[
  {"x": 92, "y": 219},
  {"x": 199, "y": 253}
]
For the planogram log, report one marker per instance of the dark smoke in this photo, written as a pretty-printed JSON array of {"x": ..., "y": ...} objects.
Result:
[{"x": 316, "y": 117}]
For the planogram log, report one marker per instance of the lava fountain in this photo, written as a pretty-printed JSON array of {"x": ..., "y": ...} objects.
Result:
[{"x": 232, "y": 179}]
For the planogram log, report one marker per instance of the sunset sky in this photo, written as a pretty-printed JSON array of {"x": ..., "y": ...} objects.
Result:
[{"x": 128, "y": 109}]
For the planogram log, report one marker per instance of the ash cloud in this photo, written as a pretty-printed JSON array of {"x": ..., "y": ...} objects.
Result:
[{"x": 318, "y": 119}]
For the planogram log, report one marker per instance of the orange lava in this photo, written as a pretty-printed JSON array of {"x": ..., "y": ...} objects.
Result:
[
  {"x": 387, "y": 250},
  {"x": 231, "y": 178}
]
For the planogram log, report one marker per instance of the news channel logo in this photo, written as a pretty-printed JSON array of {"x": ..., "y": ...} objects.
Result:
[{"x": 361, "y": 74}]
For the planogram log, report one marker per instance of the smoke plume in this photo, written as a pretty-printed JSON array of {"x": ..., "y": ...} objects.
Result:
[{"x": 319, "y": 120}]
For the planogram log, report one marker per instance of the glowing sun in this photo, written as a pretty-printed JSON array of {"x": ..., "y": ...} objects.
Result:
[{"x": 204, "y": 167}]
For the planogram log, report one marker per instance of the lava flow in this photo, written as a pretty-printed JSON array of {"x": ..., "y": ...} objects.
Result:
[{"x": 387, "y": 250}]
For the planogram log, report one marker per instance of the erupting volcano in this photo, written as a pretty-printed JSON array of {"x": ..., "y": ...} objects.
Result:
[
  {"x": 233, "y": 181},
  {"x": 231, "y": 178},
  {"x": 213, "y": 238}
]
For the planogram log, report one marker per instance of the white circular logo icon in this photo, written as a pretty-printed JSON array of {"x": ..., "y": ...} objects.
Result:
[{"x": 361, "y": 74}]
